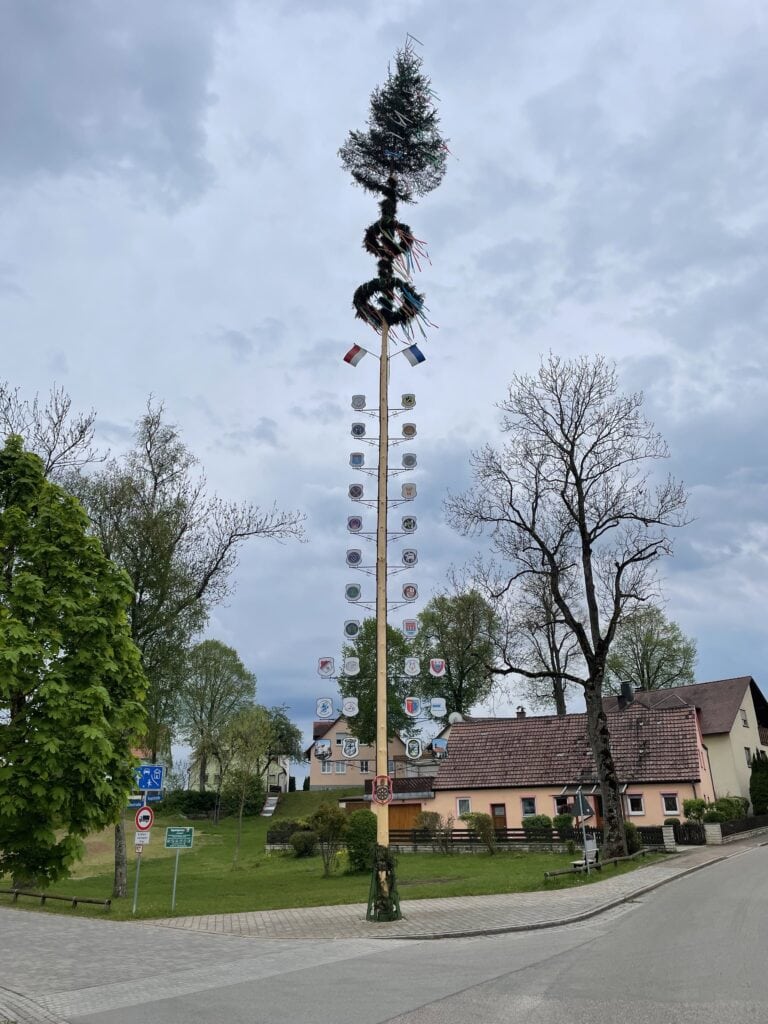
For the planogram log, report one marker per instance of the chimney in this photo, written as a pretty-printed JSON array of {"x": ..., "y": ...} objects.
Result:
[{"x": 520, "y": 711}]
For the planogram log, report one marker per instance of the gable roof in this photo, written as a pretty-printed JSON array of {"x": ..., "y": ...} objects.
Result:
[
  {"x": 648, "y": 745},
  {"x": 718, "y": 701}
]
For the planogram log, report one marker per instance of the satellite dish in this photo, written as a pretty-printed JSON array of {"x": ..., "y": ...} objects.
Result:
[
  {"x": 455, "y": 717},
  {"x": 354, "y": 556},
  {"x": 409, "y": 460},
  {"x": 358, "y": 402},
  {"x": 408, "y": 401},
  {"x": 409, "y": 430},
  {"x": 358, "y": 430},
  {"x": 355, "y": 491}
]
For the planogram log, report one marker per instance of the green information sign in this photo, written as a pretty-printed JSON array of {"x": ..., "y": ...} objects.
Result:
[{"x": 179, "y": 838}]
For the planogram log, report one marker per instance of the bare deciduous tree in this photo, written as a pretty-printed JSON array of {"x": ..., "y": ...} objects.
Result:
[
  {"x": 570, "y": 499},
  {"x": 64, "y": 441}
]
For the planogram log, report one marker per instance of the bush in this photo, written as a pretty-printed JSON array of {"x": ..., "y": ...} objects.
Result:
[
  {"x": 427, "y": 823},
  {"x": 711, "y": 815},
  {"x": 671, "y": 821},
  {"x": 291, "y": 783},
  {"x": 304, "y": 843},
  {"x": 563, "y": 823},
  {"x": 360, "y": 838},
  {"x": 694, "y": 809},
  {"x": 537, "y": 826},
  {"x": 189, "y": 801},
  {"x": 634, "y": 842},
  {"x": 481, "y": 826},
  {"x": 280, "y": 831},
  {"x": 733, "y": 807},
  {"x": 305, "y": 784}
]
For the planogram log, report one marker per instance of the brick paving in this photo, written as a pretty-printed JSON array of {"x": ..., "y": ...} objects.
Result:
[{"x": 64, "y": 976}]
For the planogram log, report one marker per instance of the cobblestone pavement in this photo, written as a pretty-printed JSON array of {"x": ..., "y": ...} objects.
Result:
[
  {"x": 462, "y": 915},
  {"x": 55, "y": 967}
]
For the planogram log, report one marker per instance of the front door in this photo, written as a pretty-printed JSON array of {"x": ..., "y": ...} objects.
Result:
[{"x": 499, "y": 815}]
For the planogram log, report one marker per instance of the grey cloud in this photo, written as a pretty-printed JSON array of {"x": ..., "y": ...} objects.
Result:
[
  {"x": 118, "y": 433},
  {"x": 264, "y": 432},
  {"x": 253, "y": 340},
  {"x": 118, "y": 90},
  {"x": 8, "y": 282}
]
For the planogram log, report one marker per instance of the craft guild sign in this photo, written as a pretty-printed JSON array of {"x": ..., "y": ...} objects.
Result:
[{"x": 382, "y": 790}]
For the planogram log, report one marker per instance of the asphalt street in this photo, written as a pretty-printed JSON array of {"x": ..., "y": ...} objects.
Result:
[{"x": 692, "y": 950}]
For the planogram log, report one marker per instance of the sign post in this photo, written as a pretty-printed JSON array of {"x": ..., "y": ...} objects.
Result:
[
  {"x": 178, "y": 839},
  {"x": 145, "y": 817}
]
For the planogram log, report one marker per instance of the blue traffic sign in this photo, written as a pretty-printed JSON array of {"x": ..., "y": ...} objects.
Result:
[{"x": 149, "y": 776}]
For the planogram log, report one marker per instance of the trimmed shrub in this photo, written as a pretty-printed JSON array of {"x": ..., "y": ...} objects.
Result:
[
  {"x": 481, "y": 826},
  {"x": 281, "y": 830},
  {"x": 304, "y": 843},
  {"x": 189, "y": 801},
  {"x": 360, "y": 838},
  {"x": 563, "y": 823},
  {"x": 733, "y": 807},
  {"x": 305, "y": 784},
  {"x": 634, "y": 842},
  {"x": 538, "y": 827},
  {"x": 694, "y": 809},
  {"x": 427, "y": 823},
  {"x": 291, "y": 783},
  {"x": 712, "y": 815},
  {"x": 671, "y": 821}
]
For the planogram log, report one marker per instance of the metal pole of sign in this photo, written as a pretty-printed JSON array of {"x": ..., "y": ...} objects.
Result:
[
  {"x": 138, "y": 865},
  {"x": 175, "y": 876},
  {"x": 583, "y": 828}
]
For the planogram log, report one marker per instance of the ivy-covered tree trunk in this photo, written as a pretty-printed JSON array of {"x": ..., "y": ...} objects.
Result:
[
  {"x": 610, "y": 791},
  {"x": 120, "y": 884}
]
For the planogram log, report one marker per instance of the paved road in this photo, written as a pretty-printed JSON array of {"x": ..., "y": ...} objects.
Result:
[{"x": 693, "y": 950}]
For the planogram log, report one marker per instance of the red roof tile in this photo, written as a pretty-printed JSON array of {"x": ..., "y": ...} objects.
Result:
[
  {"x": 648, "y": 746},
  {"x": 718, "y": 701}
]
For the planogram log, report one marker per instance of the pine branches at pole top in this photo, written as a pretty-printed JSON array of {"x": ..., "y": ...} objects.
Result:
[{"x": 399, "y": 156}]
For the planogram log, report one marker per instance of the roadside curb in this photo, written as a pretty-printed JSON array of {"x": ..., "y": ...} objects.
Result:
[
  {"x": 18, "y": 1009},
  {"x": 573, "y": 919}
]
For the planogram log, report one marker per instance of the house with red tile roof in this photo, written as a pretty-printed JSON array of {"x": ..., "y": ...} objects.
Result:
[
  {"x": 733, "y": 716},
  {"x": 511, "y": 768}
]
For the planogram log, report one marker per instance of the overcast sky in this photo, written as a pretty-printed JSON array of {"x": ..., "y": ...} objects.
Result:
[{"x": 175, "y": 221}]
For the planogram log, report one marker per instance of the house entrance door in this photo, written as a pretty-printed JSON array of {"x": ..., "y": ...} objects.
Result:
[{"x": 499, "y": 815}]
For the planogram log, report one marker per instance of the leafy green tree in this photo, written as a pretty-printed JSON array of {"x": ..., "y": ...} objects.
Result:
[
  {"x": 71, "y": 684},
  {"x": 363, "y": 686},
  {"x": 216, "y": 686},
  {"x": 284, "y": 737},
  {"x": 650, "y": 651},
  {"x": 360, "y": 839},
  {"x": 179, "y": 546},
  {"x": 463, "y": 629}
]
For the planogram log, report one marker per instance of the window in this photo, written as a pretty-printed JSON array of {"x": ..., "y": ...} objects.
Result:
[
  {"x": 744, "y": 719},
  {"x": 326, "y": 767},
  {"x": 390, "y": 767},
  {"x": 529, "y": 805},
  {"x": 463, "y": 806},
  {"x": 341, "y": 767},
  {"x": 635, "y": 803},
  {"x": 561, "y": 805},
  {"x": 669, "y": 803},
  {"x": 748, "y": 756},
  {"x": 365, "y": 766}
]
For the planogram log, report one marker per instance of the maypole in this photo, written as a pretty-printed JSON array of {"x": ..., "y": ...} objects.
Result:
[{"x": 401, "y": 155}]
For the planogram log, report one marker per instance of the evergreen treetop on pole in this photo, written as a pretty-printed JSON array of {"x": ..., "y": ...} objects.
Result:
[{"x": 402, "y": 147}]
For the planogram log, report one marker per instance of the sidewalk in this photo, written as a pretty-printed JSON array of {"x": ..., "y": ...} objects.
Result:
[{"x": 463, "y": 915}]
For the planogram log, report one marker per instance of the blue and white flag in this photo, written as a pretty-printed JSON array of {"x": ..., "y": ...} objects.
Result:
[{"x": 414, "y": 355}]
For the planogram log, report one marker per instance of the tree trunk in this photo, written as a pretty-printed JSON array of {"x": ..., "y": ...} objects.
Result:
[
  {"x": 203, "y": 768},
  {"x": 120, "y": 886},
  {"x": 558, "y": 692},
  {"x": 239, "y": 829},
  {"x": 614, "y": 839}
]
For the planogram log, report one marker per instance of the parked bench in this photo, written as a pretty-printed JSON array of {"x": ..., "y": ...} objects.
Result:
[{"x": 591, "y": 856}]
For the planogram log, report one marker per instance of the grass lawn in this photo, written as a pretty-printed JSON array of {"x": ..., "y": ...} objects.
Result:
[{"x": 208, "y": 883}]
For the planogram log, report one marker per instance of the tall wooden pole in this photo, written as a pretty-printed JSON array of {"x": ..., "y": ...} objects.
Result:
[{"x": 382, "y": 810}]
